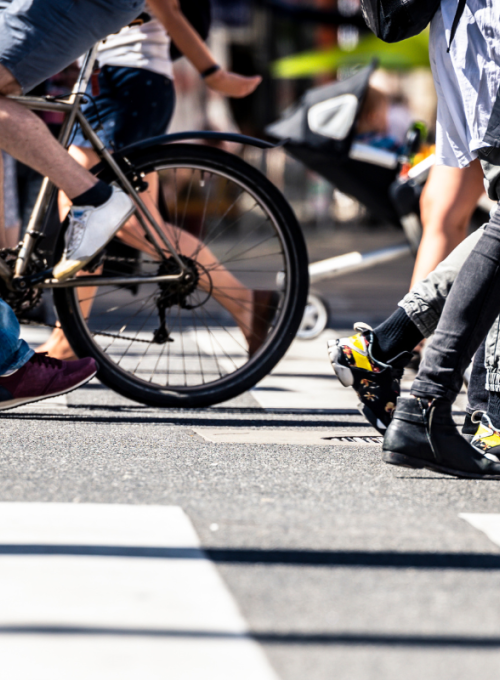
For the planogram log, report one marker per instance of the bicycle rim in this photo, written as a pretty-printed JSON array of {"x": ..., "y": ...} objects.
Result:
[{"x": 192, "y": 348}]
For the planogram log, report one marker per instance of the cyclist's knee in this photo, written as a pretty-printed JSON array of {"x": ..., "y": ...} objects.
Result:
[{"x": 8, "y": 84}]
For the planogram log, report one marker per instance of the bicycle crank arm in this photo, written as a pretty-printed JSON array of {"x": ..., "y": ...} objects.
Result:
[{"x": 87, "y": 281}]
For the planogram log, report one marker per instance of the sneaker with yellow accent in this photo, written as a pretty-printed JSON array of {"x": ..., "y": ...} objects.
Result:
[
  {"x": 377, "y": 384},
  {"x": 487, "y": 439}
]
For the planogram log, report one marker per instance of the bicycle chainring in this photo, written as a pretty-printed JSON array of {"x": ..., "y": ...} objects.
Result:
[
  {"x": 176, "y": 293},
  {"x": 21, "y": 301}
]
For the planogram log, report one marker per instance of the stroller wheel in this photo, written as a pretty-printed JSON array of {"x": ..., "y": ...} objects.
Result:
[{"x": 315, "y": 319}]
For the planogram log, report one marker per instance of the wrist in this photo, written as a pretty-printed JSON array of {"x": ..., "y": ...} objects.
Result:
[{"x": 210, "y": 71}]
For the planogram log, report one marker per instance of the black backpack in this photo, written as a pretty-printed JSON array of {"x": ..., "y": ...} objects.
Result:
[{"x": 395, "y": 20}]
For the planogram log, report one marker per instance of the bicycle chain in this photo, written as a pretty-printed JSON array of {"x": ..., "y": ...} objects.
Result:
[{"x": 108, "y": 258}]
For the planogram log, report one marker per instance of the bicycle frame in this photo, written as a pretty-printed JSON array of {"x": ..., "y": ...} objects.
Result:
[{"x": 73, "y": 114}]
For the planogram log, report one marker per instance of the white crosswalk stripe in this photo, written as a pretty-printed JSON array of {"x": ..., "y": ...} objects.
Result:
[
  {"x": 115, "y": 592},
  {"x": 488, "y": 523}
]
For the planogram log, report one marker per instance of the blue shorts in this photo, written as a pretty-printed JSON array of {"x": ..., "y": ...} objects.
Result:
[
  {"x": 39, "y": 38},
  {"x": 133, "y": 104}
]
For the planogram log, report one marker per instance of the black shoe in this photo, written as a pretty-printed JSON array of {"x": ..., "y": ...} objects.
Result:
[
  {"x": 425, "y": 436},
  {"x": 376, "y": 384}
]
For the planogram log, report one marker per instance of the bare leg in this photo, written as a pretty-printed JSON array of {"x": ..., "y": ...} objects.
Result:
[
  {"x": 447, "y": 203},
  {"x": 12, "y": 236},
  {"x": 227, "y": 289},
  {"x": 27, "y": 138},
  {"x": 3, "y": 235}
]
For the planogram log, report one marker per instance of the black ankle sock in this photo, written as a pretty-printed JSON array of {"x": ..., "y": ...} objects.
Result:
[
  {"x": 95, "y": 197},
  {"x": 396, "y": 334},
  {"x": 494, "y": 407}
]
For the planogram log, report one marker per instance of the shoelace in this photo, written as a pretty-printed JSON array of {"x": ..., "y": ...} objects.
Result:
[
  {"x": 43, "y": 359},
  {"x": 75, "y": 232}
]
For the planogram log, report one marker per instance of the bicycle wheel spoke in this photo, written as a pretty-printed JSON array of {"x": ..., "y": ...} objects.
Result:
[
  {"x": 218, "y": 342},
  {"x": 195, "y": 326},
  {"x": 179, "y": 320}
]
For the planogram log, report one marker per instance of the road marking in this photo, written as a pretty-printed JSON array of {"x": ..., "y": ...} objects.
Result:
[
  {"x": 298, "y": 438},
  {"x": 304, "y": 380},
  {"x": 489, "y": 524},
  {"x": 35, "y": 335},
  {"x": 81, "y": 597}
]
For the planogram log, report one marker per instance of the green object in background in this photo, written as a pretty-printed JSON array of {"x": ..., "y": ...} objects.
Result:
[{"x": 411, "y": 53}]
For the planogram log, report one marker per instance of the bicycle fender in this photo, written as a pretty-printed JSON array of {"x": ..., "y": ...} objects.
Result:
[{"x": 207, "y": 135}]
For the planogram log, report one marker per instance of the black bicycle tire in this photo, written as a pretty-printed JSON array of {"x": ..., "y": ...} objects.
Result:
[{"x": 239, "y": 381}]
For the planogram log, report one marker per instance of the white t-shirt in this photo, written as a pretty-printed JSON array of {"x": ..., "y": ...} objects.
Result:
[
  {"x": 467, "y": 78},
  {"x": 146, "y": 46}
]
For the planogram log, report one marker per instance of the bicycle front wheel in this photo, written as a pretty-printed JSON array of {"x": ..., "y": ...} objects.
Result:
[{"x": 195, "y": 345}]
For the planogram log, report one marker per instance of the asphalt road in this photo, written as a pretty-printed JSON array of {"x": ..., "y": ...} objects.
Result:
[{"x": 341, "y": 566}]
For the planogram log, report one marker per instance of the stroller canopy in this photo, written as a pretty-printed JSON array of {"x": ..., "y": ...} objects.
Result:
[{"x": 325, "y": 117}]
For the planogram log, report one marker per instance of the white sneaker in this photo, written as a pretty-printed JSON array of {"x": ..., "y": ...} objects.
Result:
[{"x": 90, "y": 229}]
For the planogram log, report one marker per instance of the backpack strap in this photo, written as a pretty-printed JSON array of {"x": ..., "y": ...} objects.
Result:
[{"x": 456, "y": 20}]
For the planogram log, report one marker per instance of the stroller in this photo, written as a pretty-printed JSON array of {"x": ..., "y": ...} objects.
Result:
[{"x": 319, "y": 131}]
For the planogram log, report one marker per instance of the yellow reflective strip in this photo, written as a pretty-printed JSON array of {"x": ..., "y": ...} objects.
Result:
[
  {"x": 482, "y": 431},
  {"x": 358, "y": 342},
  {"x": 361, "y": 361}
]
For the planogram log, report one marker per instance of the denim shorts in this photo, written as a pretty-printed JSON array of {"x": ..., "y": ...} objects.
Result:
[
  {"x": 39, "y": 38},
  {"x": 133, "y": 104}
]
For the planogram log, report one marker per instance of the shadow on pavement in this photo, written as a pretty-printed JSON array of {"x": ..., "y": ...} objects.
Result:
[
  {"x": 293, "y": 638},
  {"x": 319, "y": 558}
]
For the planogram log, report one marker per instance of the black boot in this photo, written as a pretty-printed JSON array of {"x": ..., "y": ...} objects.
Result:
[{"x": 425, "y": 436}]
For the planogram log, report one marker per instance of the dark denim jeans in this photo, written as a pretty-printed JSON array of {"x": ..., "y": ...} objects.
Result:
[
  {"x": 470, "y": 309},
  {"x": 14, "y": 352}
]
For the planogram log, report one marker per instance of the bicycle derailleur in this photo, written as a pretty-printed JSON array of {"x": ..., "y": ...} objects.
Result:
[
  {"x": 177, "y": 293},
  {"x": 21, "y": 301}
]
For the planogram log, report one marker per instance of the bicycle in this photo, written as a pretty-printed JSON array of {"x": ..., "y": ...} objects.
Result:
[{"x": 158, "y": 326}]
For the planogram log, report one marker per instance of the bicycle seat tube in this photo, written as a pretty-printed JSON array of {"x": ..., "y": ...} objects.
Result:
[
  {"x": 70, "y": 108},
  {"x": 73, "y": 114}
]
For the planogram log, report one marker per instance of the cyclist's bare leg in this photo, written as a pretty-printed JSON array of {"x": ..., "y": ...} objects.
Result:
[
  {"x": 26, "y": 137},
  {"x": 227, "y": 289}
]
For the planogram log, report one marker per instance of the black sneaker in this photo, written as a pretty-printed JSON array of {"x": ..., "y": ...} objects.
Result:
[
  {"x": 376, "y": 384},
  {"x": 423, "y": 435}
]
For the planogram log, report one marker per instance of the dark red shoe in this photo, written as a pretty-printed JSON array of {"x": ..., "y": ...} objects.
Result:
[{"x": 43, "y": 377}]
